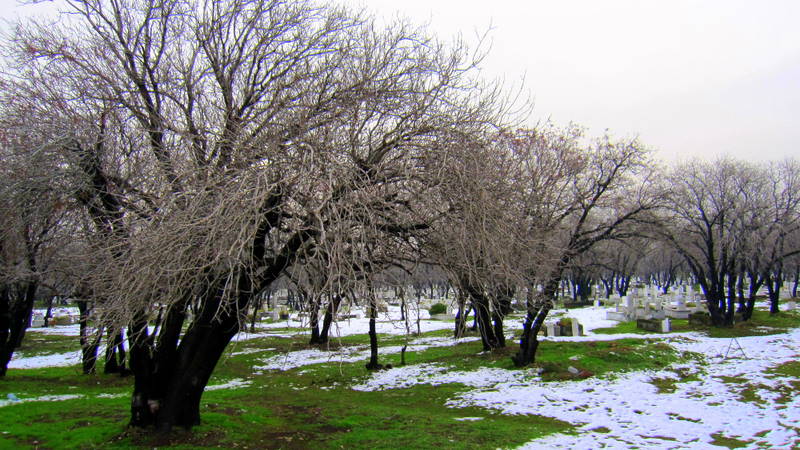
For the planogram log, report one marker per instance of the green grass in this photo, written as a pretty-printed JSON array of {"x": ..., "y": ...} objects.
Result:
[
  {"x": 604, "y": 357},
  {"x": 788, "y": 369},
  {"x": 312, "y": 405},
  {"x": 38, "y": 344},
  {"x": 79, "y": 423},
  {"x": 307, "y": 406},
  {"x": 668, "y": 385},
  {"x": 721, "y": 440}
]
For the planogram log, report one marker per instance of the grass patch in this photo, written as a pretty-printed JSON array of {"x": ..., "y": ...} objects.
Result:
[
  {"x": 787, "y": 381},
  {"x": 668, "y": 385},
  {"x": 721, "y": 440},
  {"x": 307, "y": 406},
  {"x": 676, "y": 326},
  {"x": 314, "y": 405},
  {"x": 37, "y": 343},
  {"x": 78, "y": 423},
  {"x": 603, "y": 357},
  {"x": 787, "y": 369}
]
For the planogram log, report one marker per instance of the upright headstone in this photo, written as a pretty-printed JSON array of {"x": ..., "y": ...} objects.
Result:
[
  {"x": 679, "y": 299},
  {"x": 628, "y": 302},
  {"x": 37, "y": 321},
  {"x": 551, "y": 328},
  {"x": 576, "y": 327},
  {"x": 665, "y": 325}
]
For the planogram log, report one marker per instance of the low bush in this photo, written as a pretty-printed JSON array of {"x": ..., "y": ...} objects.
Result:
[{"x": 438, "y": 308}]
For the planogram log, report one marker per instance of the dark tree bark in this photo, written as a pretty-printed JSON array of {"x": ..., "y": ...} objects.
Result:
[
  {"x": 373, "y": 335},
  {"x": 313, "y": 316},
  {"x": 49, "y": 313},
  {"x": 537, "y": 308},
  {"x": 501, "y": 308},
  {"x": 740, "y": 294},
  {"x": 89, "y": 344},
  {"x": 774, "y": 283},
  {"x": 461, "y": 317},
  {"x": 15, "y": 316},
  {"x": 115, "y": 353},
  {"x": 608, "y": 284},
  {"x": 481, "y": 305},
  {"x": 330, "y": 313},
  {"x": 254, "y": 317},
  {"x": 623, "y": 283}
]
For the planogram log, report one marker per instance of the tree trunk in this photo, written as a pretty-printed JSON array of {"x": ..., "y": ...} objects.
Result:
[
  {"x": 313, "y": 318},
  {"x": 740, "y": 293},
  {"x": 28, "y": 296},
  {"x": 115, "y": 353},
  {"x": 504, "y": 295},
  {"x": 461, "y": 317},
  {"x": 7, "y": 329},
  {"x": 537, "y": 313},
  {"x": 170, "y": 377},
  {"x": 254, "y": 317},
  {"x": 15, "y": 317},
  {"x": 774, "y": 282},
  {"x": 89, "y": 344},
  {"x": 499, "y": 332},
  {"x": 480, "y": 304},
  {"x": 731, "y": 306},
  {"x": 330, "y": 312},
  {"x": 608, "y": 285},
  {"x": 717, "y": 305},
  {"x": 49, "y": 313},
  {"x": 198, "y": 354},
  {"x": 373, "y": 336}
]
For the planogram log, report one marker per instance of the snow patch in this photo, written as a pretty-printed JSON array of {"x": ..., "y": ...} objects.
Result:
[
  {"x": 43, "y": 398},
  {"x": 37, "y": 362},
  {"x": 232, "y": 384},
  {"x": 307, "y": 357}
]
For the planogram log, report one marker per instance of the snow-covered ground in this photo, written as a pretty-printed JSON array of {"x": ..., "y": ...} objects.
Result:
[
  {"x": 386, "y": 323},
  {"x": 54, "y": 360},
  {"x": 627, "y": 411},
  {"x": 291, "y": 360},
  {"x": 622, "y": 411}
]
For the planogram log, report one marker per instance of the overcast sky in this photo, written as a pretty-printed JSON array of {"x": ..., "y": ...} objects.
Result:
[{"x": 689, "y": 77}]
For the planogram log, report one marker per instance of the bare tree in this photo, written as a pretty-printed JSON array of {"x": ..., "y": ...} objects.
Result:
[
  {"x": 478, "y": 242},
  {"x": 661, "y": 265},
  {"x": 770, "y": 219},
  {"x": 30, "y": 226},
  {"x": 704, "y": 203},
  {"x": 575, "y": 196},
  {"x": 227, "y": 141}
]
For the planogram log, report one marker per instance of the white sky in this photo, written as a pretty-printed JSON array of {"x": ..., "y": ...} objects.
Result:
[{"x": 690, "y": 77}]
